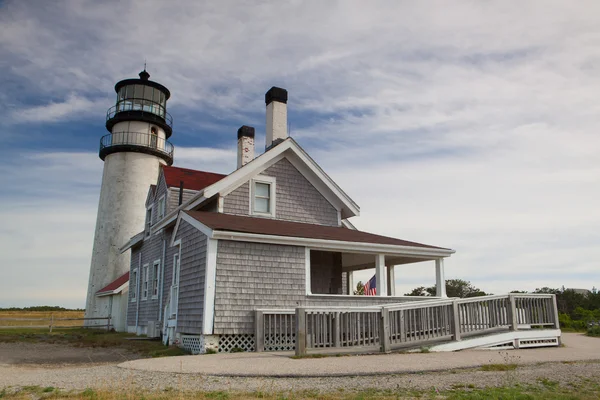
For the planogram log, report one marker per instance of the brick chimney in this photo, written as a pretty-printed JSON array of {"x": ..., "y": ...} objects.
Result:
[
  {"x": 276, "y": 101},
  {"x": 245, "y": 152}
]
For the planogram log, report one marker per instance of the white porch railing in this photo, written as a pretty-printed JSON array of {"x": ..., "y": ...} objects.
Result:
[{"x": 390, "y": 327}]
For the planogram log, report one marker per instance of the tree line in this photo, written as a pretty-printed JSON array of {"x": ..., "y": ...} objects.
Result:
[{"x": 41, "y": 308}]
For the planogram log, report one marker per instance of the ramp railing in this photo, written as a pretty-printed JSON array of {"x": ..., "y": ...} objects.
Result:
[{"x": 391, "y": 327}]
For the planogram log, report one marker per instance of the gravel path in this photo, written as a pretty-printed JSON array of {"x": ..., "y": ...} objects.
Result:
[
  {"x": 534, "y": 365},
  {"x": 114, "y": 378},
  {"x": 577, "y": 348}
]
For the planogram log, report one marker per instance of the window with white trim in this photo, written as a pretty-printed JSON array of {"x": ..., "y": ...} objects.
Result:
[
  {"x": 148, "y": 220},
  {"x": 262, "y": 196},
  {"x": 133, "y": 283},
  {"x": 161, "y": 207},
  {"x": 145, "y": 271},
  {"x": 155, "y": 278}
]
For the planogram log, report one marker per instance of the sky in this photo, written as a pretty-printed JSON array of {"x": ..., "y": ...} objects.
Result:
[{"x": 463, "y": 124}]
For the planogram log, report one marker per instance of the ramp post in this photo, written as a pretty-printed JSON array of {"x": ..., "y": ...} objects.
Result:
[
  {"x": 384, "y": 330},
  {"x": 259, "y": 330},
  {"x": 455, "y": 320},
  {"x": 300, "y": 331},
  {"x": 513, "y": 312}
]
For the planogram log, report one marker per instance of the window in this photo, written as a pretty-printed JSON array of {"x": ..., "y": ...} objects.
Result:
[
  {"x": 133, "y": 285},
  {"x": 262, "y": 197},
  {"x": 161, "y": 207},
  {"x": 145, "y": 282},
  {"x": 153, "y": 137},
  {"x": 262, "y": 201},
  {"x": 155, "y": 276},
  {"x": 148, "y": 220}
]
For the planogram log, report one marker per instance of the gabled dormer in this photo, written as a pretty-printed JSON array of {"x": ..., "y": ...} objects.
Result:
[{"x": 284, "y": 183}]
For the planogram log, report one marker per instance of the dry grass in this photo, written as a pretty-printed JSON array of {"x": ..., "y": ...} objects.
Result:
[
  {"x": 584, "y": 390},
  {"x": 41, "y": 318}
]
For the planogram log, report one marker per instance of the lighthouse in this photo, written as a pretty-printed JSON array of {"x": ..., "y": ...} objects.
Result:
[{"x": 133, "y": 152}]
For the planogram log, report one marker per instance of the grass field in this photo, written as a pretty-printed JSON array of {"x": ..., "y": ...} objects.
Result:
[
  {"x": 39, "y": 318},
  {"x": 80, "y": 337}
]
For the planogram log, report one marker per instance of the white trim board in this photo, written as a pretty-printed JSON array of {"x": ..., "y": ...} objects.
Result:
[
  {"x": 210, "y": 282},
  {"x": 333, "y": 245}
]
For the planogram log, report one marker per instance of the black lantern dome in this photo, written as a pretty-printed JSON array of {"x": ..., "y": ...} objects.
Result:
[{"x": 141, "y": 100}]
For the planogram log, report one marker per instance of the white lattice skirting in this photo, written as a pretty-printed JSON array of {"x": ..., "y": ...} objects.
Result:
[
  {"x": 193, "y": 343},
  {"x": 229, "y": 342},
  {"x": 280, "y": 342}
]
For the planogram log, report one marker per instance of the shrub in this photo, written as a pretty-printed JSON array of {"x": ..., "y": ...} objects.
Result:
[{"x": 594, "y": 331}]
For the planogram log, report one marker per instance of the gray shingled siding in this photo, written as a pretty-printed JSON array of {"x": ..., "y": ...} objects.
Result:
[
  {"x": 256, "y": 275},
  {"x": 238, "y": 201},
  {"x": 132, "y": 306},
  {"x": 151, "y": 250},
  {"x": 168, "y": 275},
  {"x": 149, "y": 198},
  {"x": 173, "y": 194},
  {"x": 191, "y": 280},
  {"x": 296, "y": 198},
  {"x": 326, "y": 272}
]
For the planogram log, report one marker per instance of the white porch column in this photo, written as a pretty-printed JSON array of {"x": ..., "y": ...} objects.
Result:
[
  {"x": 350, "y": 282},
  {"x": 381, "y": 275},
  {"x": 391, "y": 279},
  {"x": 440, "y": 279}
]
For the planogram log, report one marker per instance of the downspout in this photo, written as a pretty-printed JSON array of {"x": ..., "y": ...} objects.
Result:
[
  {"x": 162, "y": 279},
  {"x": 137, "y": 293}
]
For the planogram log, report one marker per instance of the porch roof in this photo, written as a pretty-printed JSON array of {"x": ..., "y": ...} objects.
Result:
[
  {"x": 115, "y": 286},
  {"x": 272, "y": 227}
]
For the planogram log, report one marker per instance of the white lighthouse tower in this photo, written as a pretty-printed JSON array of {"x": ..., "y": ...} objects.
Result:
[{"x": 132, "y": 152}]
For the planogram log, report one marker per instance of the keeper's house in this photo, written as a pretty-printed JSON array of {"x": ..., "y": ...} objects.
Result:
[{"x": 275, "y": 233}]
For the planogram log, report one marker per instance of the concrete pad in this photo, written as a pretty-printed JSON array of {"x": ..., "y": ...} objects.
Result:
[{"x": 577, "y": 347}]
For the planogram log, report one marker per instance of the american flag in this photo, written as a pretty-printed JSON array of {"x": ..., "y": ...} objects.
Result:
[{"x": 371, "y": 287}]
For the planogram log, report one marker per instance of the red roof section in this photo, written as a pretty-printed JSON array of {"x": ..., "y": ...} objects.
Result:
[
  {"x": 192, "y": 179},
  {"x": 265, "y": 226},
  {"x": 114, "y": 285}
]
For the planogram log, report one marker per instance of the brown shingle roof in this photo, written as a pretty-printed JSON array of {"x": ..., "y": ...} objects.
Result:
[
  {"x": 265, "y": 226},
  {"x": 192, "y": 179}
]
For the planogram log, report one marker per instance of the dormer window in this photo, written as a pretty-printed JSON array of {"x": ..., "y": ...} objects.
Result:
[
  {"x": 263, "y": 196},
  {"x": 161, "y": 207},
  {"x": 148, "y": 220}
]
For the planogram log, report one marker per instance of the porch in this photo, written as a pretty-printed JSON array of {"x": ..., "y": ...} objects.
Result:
[{"x": 330, "y": 272}]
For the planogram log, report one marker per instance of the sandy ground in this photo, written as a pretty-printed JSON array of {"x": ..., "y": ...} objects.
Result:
[{"x": 412, "y": 371}]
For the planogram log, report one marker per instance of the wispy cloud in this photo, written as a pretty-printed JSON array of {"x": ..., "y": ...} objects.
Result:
[{"x": 73, "y": 107}]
